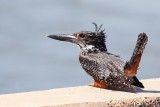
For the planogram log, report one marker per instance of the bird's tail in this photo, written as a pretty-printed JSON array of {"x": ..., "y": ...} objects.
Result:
[
  {"x": 131, "y": 66},
  {"x": 136, "y": 82}
]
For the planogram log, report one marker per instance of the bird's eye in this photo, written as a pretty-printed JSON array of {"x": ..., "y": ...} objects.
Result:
[{"x": 81, "y": 35}]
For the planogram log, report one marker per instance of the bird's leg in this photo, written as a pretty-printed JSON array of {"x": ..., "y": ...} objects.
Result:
[{"x": 100, "y": 84}]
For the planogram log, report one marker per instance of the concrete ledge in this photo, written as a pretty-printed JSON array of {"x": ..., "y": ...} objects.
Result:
[{"x": 86, "y": 96}]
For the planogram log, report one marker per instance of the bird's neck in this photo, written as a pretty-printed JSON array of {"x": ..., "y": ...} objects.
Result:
[{"x": 92, "y": 49}]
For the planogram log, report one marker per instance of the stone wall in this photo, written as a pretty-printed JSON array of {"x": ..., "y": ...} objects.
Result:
[{"x": 86, "y": 96}]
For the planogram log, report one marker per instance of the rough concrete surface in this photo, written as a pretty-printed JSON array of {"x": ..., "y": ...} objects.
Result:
[{"x": 86, "y": 96}]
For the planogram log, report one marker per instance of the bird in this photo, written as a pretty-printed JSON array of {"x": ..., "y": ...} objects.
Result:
[{"x": 108, "y": 70}]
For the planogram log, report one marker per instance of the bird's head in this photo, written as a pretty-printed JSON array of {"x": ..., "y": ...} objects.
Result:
[{"x": 86, "y": 40}]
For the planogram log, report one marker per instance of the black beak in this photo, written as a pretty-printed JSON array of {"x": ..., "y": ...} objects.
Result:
[{"x": 63, "y": 37}]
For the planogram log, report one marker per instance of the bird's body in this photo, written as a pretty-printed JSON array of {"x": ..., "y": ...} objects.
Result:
[{"x": 108, "y": 70}]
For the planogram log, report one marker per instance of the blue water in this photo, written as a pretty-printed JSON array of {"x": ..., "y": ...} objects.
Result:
[{"x": 30, "y": 61}]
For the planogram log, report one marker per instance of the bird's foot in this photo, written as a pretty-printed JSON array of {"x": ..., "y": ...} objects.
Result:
[{"x": 91, "y": 84}]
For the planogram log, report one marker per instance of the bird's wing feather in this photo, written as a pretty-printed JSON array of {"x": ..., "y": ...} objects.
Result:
[
  {"x": 107, "y": 69},
  {"x": 102, "y": 65}
]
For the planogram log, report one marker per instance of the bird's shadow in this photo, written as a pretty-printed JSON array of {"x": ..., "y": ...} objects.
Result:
[{"x": 139, "y": 90}]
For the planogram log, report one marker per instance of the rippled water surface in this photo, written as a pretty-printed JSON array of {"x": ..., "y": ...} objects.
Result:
[{"x": 31, "y": 61}]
